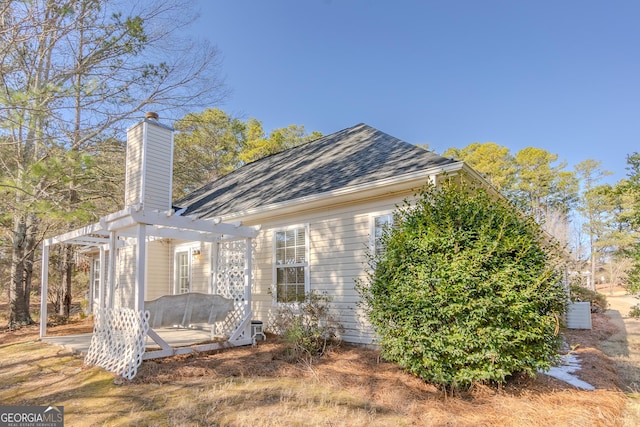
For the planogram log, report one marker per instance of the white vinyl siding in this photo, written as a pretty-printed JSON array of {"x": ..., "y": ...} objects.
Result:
[
  {"x": 148, "y": 177},
  {"x": 158, "y": 164},
  {"x": 134, "y": 170},
  {"x": 158, "y": 273},
  {"x": 159, "y": 267},
  {"x": 339, "y": 240},
  {"x": 124, "y": 295}
]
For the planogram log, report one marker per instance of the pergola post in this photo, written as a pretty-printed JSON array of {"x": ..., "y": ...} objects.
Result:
[
  {"x": 104, "y": 277},
  {"x": 141, "y": 255},
  {"x": 213, "y": 284},
  {"x": 44, "y": 285},
  {"x": 247, "y": 274},
  {"x": 112, "y": 268}
]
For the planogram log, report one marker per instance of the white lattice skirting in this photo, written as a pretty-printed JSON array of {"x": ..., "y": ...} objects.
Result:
[{"x": 118, "y": 341}]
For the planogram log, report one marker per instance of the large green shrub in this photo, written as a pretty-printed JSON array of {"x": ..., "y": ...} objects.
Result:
[{"x": 467, "y": 289}]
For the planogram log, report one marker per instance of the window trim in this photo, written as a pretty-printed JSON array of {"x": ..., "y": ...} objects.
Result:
[
  {"x": 305, "y": 265},
  {"x": 189, "y": 248},
  {"x": 95, "y": 279},
  {"x": 372, "y": 228}
]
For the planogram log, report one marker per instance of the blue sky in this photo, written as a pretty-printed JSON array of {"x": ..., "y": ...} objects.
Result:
[{"x": 558, "y": 75}]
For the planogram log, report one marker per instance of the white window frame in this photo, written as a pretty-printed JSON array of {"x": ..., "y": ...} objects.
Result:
[
  {"x": 95, "y": 279},
  {"x": 276, "y": 266},
  {"x": 373, "y": 235},
  {"x": 189, "y": 249}
]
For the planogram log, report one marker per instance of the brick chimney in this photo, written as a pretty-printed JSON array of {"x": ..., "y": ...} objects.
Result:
[{"x": 149, "y": 165}]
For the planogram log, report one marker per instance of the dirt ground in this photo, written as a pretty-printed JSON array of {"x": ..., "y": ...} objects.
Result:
[
  {"x": 351, "y": 386},
  {"x": 623, "y": 348}
]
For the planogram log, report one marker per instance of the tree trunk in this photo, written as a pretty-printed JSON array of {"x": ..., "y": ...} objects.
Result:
[
  {"x": 19, "y": 293},
  {"x": 67, "y": 271},
  {"x": 30, "y": 246},
  {"x": 592, "y": 259}
]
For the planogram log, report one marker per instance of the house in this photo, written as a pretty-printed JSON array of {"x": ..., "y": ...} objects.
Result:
[
  {"x": 264, "y": 235},
  {"x": 319, "y": 207}
]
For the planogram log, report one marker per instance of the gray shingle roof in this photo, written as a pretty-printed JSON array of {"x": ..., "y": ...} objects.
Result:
[{"x": 356, "y": 155}]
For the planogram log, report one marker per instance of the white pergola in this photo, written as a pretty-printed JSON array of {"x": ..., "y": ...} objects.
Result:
[{"x": 131, "y": 226}]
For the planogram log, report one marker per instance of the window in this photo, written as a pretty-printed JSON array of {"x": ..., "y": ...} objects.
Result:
[
  {"x": 96, "y": 278},
  {"x": 291, "y": 264},
  {"x": 378, "y": 224}
]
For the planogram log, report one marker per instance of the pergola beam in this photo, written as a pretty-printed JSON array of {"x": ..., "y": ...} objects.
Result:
[
  {"x": 193, "y": 224},
  {"x": 163, "y": 224},
  {"x": 84, "y": 232}
]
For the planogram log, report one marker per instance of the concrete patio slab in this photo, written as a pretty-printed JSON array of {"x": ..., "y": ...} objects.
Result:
[{"x": 79, "y": 344}]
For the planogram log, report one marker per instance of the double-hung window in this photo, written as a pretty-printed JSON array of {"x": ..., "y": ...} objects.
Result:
[
  {"x": 291, "y": 264},
  {"x": 378, "y": 224}
]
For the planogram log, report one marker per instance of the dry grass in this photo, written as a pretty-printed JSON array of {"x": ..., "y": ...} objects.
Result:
[{"x": 258, "y": 386}]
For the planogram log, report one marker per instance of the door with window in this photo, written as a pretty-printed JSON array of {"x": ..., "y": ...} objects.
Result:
[{"x": 182, "y": 271}]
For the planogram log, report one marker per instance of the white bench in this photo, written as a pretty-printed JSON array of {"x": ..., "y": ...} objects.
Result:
[{"x": 188, "y": 310}]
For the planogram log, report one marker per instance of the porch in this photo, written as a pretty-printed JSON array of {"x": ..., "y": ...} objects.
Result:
[
  {"x": 127, "y": 328},
  {"x": 178, "y": 339}
]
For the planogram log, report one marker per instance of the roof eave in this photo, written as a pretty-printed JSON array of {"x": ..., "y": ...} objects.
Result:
[{"x": 366, "y": 190}]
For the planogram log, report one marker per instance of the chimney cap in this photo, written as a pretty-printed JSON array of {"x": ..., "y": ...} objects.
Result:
[{"x": 151, "y": 115}]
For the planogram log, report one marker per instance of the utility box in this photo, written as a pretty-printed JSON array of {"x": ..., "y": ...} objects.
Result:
[
  {"x": 256, "y": 331},
  {"x": 579, "y": 315}
]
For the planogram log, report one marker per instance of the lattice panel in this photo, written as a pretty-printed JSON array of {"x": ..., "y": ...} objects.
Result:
[
  {"x": 118, "y": 341},
  {"x": 230, "y": 283}
]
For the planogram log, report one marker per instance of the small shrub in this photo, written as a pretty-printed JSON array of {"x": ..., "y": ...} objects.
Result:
[
  {"x": 84, "y": 308},
  {"x": 635, "y": 311},
  {"x": 308, "y": 327},
  {"x": 581, "y": 294}
]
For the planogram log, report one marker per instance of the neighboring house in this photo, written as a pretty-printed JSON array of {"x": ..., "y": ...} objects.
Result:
[{"x": 302, "y": 220}]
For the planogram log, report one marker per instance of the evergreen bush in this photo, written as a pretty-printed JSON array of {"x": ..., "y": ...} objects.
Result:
[
  {"x": 466, "y": 290},
  {"x": 581, "y": 294}
]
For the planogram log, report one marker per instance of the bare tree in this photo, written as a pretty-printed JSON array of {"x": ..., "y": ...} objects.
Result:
[
  {"x": 72, "y": 73},
  {"x": 592, "y": 206}
]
